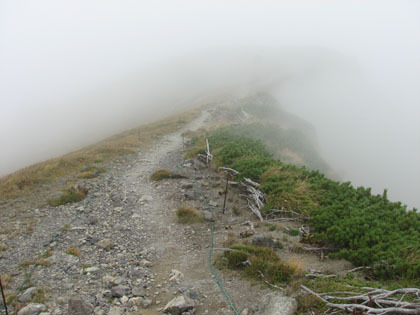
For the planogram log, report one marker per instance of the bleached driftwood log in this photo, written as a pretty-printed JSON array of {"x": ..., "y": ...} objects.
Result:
[{"x": 376, "y": 301}]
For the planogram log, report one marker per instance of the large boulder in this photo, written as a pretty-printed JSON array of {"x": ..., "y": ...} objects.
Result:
[
  {"x": 278, "y": 304},
  {"x": 178, "y": 305}
]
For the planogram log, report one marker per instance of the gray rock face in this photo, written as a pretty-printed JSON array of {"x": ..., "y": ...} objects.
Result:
[
  {"x": 79, "y": 307},
  {"x": 277, "y": 304},
  {"x": 32, "y": 309},
  {"x": 263, "y": 240},
  {"x": 179, "y": 305},
  {"x": 27, "y": 295}
]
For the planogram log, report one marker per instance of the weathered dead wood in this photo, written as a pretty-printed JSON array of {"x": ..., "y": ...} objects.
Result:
[
  {"x": 208, "y": 157},
  {"x": 252, "y": 183},
  {"x": 376, "y": 297},
  {"x": 319, "y": 275},
  {"x": 358, "y": 268},
  {"x": 255, "y": 210},
  {"x": 229, "y": 170}
]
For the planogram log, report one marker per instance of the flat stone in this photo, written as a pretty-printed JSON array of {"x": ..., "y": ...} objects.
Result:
[
  {"x": 120, "y": 291},
  {"x": 146, "y": 198},
  {"x": 27, "y": 295},
  {"x": 32, "y": 309},
  {"x": 278, "y": 304},
  {"x": 178, "y": 305},
  {"x": 115, "y": 310},
  {"x": 78, "y": 306},
  {"x": 92, "y": 269}
]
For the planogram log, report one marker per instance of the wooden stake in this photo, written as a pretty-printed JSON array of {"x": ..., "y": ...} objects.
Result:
[
  {"x": 4, "y": 298},
  {"x": 226, "y": 191}
]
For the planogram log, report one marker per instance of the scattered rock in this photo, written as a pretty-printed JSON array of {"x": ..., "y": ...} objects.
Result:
[
  {"x": 92, "y": 269},
  {"x": 106, "y": 244},
  {"x": 115, "y": 310},
  {"x": 190, "y": 195},
  {"x": 146, "y": 198},
  {"x": 27, "y": 295},
  {"x": 187, "y": 186},
  {"x": 92, "y": 220},
  {"x": 213, "y": 203},
  {"x": 145, "y": 303},
  {"x": 178, "y": 305},
  {"x": 32, "y": 309},
  {"x": 136, "y": 291},
  {"x": 77, "y": 306},
  {"x": 120, "y": 291},
  {"x": 176, "y": 276},
  {"x": 278, "y": 304}
]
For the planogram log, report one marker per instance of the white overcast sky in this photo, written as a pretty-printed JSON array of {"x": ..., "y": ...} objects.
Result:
[{"x": 59, "y": 62}]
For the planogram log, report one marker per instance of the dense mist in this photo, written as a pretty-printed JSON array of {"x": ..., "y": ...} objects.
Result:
[{"x": 74, "y": 72}]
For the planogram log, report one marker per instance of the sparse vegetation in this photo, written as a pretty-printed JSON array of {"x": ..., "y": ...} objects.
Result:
[
  {"x": 69, "y": 196},
  {"x": 73, "y": 251},
  {"x": 188, "y": 215},
  {"x": 256, "y": 263},
  {"x": 164, "y": 174}
]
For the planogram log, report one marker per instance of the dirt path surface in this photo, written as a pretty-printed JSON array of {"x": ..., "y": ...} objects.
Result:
[{"x": 121, "y": 250}]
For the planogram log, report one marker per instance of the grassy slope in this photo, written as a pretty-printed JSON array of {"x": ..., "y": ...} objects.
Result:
[{"x": 83, "y": 163}]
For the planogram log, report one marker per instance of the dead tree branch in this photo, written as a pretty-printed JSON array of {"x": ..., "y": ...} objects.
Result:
[{"x": 377, "y": 301}]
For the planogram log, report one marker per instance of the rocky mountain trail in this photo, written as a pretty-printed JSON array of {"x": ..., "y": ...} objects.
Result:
[{"x": 121, "y": 250}]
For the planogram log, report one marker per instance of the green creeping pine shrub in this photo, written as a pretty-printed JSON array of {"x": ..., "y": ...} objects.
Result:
[
  {"x": 366, "y": 229},
  {"x": 260, "y": 260}
]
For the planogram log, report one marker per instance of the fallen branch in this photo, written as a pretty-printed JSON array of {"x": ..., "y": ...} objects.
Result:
[{"x": 367, "y": 301}]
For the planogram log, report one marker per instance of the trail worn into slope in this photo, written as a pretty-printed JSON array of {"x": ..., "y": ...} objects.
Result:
[
  {"x": 124, "y": 242},
  {"x": 122, "y": 251}
]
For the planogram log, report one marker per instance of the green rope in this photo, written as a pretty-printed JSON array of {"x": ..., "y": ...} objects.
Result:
[{"x": 213, "y": 272}]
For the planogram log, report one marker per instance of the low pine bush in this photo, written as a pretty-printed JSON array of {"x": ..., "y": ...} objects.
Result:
[{"x": 366, "y": 229}]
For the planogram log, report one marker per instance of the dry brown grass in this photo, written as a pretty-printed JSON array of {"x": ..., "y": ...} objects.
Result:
[
  {"x": 5, "y": 280},
  {"x": 188, "y": 215},
  {"x": 73, "y": 251},
  {"x": 298, "y": 266},
  {"x": 26, "y": 180}
]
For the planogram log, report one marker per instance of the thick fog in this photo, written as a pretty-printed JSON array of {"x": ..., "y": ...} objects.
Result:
[{"x": 74, "y": 72}]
